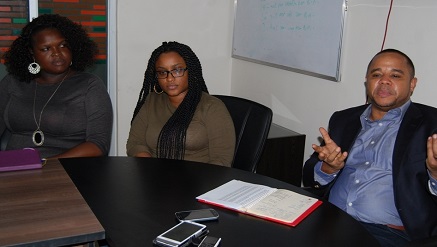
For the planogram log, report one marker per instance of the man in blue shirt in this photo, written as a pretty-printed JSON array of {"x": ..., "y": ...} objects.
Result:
[{"x": 379, "y": 161}]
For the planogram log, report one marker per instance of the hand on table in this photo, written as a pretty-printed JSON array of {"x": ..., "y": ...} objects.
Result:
[{"x": 331, "y": 155}]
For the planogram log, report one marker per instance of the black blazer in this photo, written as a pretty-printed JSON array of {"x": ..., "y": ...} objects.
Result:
[{"x": 417, "y": 207}]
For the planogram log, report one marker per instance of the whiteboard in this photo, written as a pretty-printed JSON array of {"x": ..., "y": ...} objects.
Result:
[{"x": 303, "y": 36}]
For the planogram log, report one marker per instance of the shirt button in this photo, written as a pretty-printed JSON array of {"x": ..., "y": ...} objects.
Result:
[
  {"x": 367, "y": 162},
  {"x": 357, "y": 181},
  {"x": 380, "y": 124},
  {"x": 433, "y": 184},
  {"x": 350, "y": 204},
  {"x": 372, "y": 142}
]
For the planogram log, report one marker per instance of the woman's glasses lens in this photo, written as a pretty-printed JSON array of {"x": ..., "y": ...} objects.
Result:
[{"x": 174, "y": 73}]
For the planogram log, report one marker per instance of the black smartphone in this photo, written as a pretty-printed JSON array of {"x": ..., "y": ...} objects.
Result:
[
  {"x": 210, "y": 241},
  {"x": 180, "y": 235},
  {"x": 197, "y": 215}
]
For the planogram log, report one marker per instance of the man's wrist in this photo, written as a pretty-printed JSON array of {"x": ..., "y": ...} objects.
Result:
[
  {"x": 326, "y": 168},
  {"x": 321, "y": 177}
]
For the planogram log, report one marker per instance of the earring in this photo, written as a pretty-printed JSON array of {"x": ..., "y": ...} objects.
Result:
[
  {"x": 34, "y": 67},
  {"x": 154, "y": 89}
]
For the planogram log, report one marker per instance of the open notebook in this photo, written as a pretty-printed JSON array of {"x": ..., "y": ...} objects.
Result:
[
  {"x": 22, "y": 159},
  {"x": 278, "y": 205}
]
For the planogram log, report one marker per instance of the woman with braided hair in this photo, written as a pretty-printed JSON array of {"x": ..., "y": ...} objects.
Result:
[{"x": 175, "y": 117}]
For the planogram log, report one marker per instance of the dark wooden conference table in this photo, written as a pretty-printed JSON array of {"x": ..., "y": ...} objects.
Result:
[{"x": 135, "y": 200}]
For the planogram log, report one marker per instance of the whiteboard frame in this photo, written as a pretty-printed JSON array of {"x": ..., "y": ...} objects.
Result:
[{"x": 337, "y": 78}]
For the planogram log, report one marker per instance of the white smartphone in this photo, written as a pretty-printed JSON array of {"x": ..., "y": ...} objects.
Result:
[
  {"x": 197, "y": 215},
  {"x": 180, "y": 235},
  {"x": 210, "y": 241}
]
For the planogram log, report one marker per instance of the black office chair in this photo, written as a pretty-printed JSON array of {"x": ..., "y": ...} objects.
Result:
[
  {"x": 4, "y": 139},
  {"x": 252, "y": 124}
]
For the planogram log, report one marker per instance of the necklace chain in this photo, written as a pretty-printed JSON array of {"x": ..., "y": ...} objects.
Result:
[{"x": 38, "y": 123}]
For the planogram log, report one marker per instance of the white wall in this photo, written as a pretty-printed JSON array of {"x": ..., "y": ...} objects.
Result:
[
  {"x": 303, "y": 103},
  {"x": 299, "y": 102}
]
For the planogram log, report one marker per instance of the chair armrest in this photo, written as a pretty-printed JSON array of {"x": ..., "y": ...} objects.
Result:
[{"x": 317, "y": 192}]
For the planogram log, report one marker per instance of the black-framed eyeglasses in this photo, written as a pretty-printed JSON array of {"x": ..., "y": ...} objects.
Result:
[{"x": 162, "y": 74}]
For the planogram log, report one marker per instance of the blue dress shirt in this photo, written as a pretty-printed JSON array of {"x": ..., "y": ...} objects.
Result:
[{"x": 365, "y": 187}]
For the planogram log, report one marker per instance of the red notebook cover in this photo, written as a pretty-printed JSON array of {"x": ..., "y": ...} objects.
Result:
[
  {"x": 298, "y": 220},
  {"x": 294, "y": 223},
  {"x": 278, "y": 205},
  {"x": 22, "y": 159}
]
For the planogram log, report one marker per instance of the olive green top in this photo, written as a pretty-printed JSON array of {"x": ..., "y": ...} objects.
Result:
[{"x": 210, "y": 135}]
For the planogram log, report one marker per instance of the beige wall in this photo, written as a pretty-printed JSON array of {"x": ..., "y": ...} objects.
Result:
[{"x": 299, "y": 102}]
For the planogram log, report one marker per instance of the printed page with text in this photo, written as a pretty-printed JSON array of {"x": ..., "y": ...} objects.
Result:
[{"x": 279, "y": 205}]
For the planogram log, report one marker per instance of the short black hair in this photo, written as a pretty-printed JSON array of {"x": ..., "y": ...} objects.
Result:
[
  {"x": 82, "y": 47},
  {"x": 171, "y": 141},
  {"x": 409, "y": 61}
]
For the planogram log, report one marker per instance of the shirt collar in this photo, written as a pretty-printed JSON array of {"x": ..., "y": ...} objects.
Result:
[{"x": 396, "y": 114}]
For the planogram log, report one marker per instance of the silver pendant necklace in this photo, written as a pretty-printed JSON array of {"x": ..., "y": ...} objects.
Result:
[{"x": 38, "y": 135}]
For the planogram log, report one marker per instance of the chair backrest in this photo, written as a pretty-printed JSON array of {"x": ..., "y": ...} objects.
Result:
[
  {"x": 252, "y": 122},
  {"x": 4, "y": 139}
]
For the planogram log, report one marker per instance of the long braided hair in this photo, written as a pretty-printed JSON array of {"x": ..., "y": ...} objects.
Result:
[{"x": 171, "y": 140}]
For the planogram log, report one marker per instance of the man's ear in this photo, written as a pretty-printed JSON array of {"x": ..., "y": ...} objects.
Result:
[
  {"x": 413, "y": 84},
  {"x": 365, "y": 91}
]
